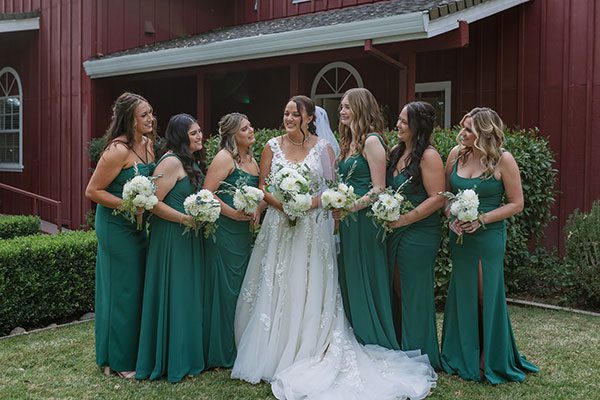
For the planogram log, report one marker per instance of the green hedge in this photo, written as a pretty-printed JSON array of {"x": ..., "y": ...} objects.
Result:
[
  {"x": 582, "y": 257},
  {"x": 46, "y": 278},
  {"x": 535, "y": 160},
  {"x": 18, "y": 225}
]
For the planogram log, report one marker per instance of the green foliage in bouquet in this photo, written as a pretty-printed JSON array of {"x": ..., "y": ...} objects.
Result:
[
  {"x": 18, "y": 225},
  {"x": 46, "y": 278}
]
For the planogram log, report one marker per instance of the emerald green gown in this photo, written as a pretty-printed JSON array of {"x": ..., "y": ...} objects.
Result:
[
  {"x": 172, "y": 315},
  {"x": 364, "y": 274},
  {"x": 120, "y": 266},
  {"x": 226, "y": 261},
  {"x": 460, "y": 337},
  {"x": 413, "y": 250}
]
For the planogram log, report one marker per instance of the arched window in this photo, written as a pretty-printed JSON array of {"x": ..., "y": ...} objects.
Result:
[
  {"x": 11, "y": 121},
  {"x": 329, "y": 86}
]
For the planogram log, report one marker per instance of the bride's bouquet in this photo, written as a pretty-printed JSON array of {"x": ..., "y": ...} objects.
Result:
[
  {"x": 204, "y": 209},
  {"x": 138, "y": 193},
  {"x": 464, "y": 206},
  {"x": 292, "y": 187},
  {"x": 388, "y": 207}
]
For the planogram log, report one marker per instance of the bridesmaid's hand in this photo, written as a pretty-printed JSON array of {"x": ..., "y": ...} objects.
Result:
[
  {"x": 240, "y": 215},
  {"x": 455, "y": 226},
  {"x": 399, "y": 223},
  {"x": 470, "y": 227},
  {"x": 188, "y": 221},
  {"x": 337, "y": 214}
]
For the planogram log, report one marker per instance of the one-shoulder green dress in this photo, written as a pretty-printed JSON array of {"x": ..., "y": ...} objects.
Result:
[
  {"x": 460, "y": 338},
  {"x": 172, "y": 316},
  {"x": 413, "y": 250},
  {"x": 364, "y": 274},
  {"x": 120, "y": 266},
  {"x": 227, "y": 257}
]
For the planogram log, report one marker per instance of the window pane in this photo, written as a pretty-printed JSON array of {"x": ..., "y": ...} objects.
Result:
[
  {"x": 9, "y": 147},
  {"x": 437, "y": 100}
]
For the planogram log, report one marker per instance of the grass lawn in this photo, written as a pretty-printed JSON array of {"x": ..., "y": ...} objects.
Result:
[{"x": 60, "y": 364}]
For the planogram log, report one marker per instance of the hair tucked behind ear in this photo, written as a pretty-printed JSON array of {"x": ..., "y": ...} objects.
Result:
[
  {"x": 229, "y": 125},
  {"x": 421, "y": 120}
]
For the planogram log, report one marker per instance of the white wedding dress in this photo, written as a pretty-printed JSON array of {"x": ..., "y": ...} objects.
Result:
[{"x": 290, "y": 326}]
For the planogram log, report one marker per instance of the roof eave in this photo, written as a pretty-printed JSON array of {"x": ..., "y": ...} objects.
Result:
[
  {"x": 18, "y": 25},
  {"x": 396, "y": 28},
  {"x": 388, "y": 29}
]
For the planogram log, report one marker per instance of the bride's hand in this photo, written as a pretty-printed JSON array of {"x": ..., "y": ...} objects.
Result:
[
  {"x": 337, "y": 214},
  {"x": 316, "y": 202}
]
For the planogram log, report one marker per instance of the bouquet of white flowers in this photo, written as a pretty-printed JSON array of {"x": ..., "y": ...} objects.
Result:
[
  {"x": 292, "y": 186},
  {"x": 204, "y": 209},
  {"x": 246, "y": 198},
  {"x": 388, "y": 207},
  {"x": 464, "y": 206},
  {"x": 341, "y": 197},
  {"x": 138, "y": 193}
]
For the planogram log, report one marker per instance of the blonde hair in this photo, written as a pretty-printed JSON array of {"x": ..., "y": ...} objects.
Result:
[
  {"x": 229, "y": 125},
  {"x": 367, "y": 119},
  {"x": 488, "y": 129}
]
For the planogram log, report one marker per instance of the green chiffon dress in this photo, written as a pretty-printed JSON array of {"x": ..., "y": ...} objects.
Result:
[
  {"x": 461, "y": 338},
  {"x": 171, "y": 328},
  {"x": 120, "y": 266},
  {"x": 413, "y": 250},
  {"x": 364, "y": 274},
  {"x": 226, "y": 261}
]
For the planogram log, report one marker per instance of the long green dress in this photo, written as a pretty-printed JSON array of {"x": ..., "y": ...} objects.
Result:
[
  {"x": 171, "y": 327},
  {"x": 413, "y": 250},
  {"x": 364, "y": 274},
  {"x": 460, "y": 337},
  {"x": 226, "y": 261},
  {"x": 120, "y": 266}
]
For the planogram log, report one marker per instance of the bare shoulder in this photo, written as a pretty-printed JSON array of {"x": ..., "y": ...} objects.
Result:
[
  {"x": 116, "y": 152},
  {"x": 507, "y": 160}
]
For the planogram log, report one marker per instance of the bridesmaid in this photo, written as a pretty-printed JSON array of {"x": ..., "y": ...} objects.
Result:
[
  {"x": 477, "y": 339},
  {"x": 364, "y": 275},
  {"x": 121, "y": 247},
  {"x": 227, "y": 257},
  {"x": 420, "y": 232},
  {"x": 171, "y": 327}
]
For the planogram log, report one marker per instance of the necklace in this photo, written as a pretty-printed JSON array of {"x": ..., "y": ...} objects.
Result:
[{"x": 292, "y": 142}]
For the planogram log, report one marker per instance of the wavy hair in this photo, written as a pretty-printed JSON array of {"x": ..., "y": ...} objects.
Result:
[
  {"x": 367, "y": 119},
  {"x": 122, "y": 121},
  {"x": 421, "y": 120},
  {"x": 489, "y": 138},
  {"x": 229, "y": 125},
  {"x": 177, "y": 140},
  {"x": 305, "y": 104}
]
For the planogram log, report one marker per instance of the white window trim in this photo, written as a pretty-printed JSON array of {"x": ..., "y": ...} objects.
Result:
[
  {"x": 446, "y": 87},
  {"x": 327, "y": 68},
  {"x": 15, "y": 167},
  {"x": 299, "y": 1}
]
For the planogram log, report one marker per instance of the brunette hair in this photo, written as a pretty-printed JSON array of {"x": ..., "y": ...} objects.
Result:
[
  {"x": 421, "y": 120},
  {"x": 177, "y": 140}
]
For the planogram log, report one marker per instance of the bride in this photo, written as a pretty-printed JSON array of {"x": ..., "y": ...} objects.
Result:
[{"x": 290, "y": 326}]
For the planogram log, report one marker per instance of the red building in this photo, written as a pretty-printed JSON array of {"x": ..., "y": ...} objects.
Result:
[{"x": 62, "y": 62}]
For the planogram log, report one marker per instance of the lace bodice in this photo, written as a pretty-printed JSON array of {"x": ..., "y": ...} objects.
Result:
[{"x": 313, "y": 160}]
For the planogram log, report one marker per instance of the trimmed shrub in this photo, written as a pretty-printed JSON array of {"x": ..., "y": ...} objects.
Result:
[
  {"x": 582, "y": 257},
  {"x": 534, "y": 157},
  {"x": 46, "y": 278},
  {"x": 18, "y": 225}
]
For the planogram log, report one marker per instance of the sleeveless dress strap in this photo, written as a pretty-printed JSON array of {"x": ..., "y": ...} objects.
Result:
[
  {"x": 378, "y": 137},
  {"x": 165, "y": 156},
  {"x": 134, "y": 152}
]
